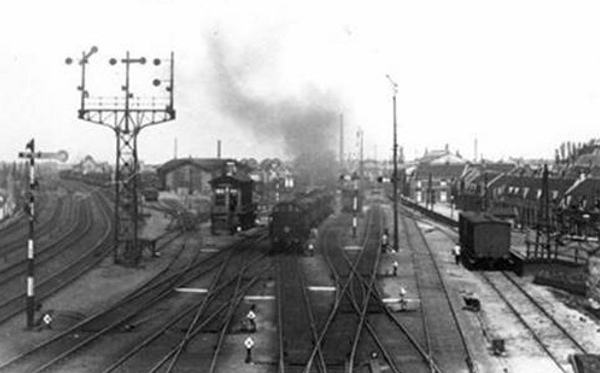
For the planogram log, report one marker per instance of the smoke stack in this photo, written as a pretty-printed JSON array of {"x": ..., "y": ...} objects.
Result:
[
  {"x": 475, "y": 150},
  {"x": 219, "y": 149}
]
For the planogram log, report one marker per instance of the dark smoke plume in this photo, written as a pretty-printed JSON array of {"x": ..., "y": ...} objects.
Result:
[{"x": 307, "y": 126}]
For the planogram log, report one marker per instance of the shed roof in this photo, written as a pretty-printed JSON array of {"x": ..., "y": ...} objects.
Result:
[
  {"x": 439, "y": 171},
  {"x": 478, "y": 217},
  {"x": 588, "y": 186},
  {"x": 231, "y": 179},
  {"x": 207, "y": 164}
]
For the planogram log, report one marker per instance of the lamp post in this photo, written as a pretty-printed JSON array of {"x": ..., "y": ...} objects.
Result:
[{"x": 395, "y": 160}]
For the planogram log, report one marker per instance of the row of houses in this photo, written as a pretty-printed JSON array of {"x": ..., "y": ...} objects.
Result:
[{"x": 510, "y": 189}]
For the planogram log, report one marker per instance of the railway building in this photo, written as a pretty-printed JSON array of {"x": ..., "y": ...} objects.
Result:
[
  {"x": 193, "y": 175},
  {"x": 434, "y": 175},
  {"x": 89, "y": 165},
  {"x": 432, "y": 183}
]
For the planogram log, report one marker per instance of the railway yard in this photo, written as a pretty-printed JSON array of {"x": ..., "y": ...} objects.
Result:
[
  {"x": 300, "y": 187},
  {"x": 227, "y": 303}
]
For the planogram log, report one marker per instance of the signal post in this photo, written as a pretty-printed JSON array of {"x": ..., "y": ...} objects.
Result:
[
  {"x": 31, "y": 155},
  {"x": 127, "y": 116}
]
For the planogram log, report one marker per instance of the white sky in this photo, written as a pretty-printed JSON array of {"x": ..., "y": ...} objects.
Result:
[{"x": 521, "y": 76}]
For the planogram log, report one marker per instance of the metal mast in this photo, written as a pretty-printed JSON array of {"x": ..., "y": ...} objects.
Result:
[
  {"x": 342, "y": 142},
  {"x": 127, "y": 116},
  {"x": 395, "y": 161}
]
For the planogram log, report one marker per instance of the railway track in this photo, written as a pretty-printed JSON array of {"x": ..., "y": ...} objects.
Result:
[
  {"x": 550, "y": 336},
  {"x": 146, "y": 319},
  {"x": 442, "y": 334},
  {"x": 61, "y": 261},
  {"x": 394, "y": 336},
  {"x": 298, "y": 328},
  {"x": 218, "y": 314},
  {"x": 14, "y": 236},
  {"x": 346, "y": 335}
]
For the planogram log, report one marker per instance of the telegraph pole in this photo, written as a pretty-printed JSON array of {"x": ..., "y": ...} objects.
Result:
[
  {"x": 127, "y": 116},
  {"x": 31, "y": 156},
  {"x": 395, "y": 161},
  {"x": 342, "y": 142}
]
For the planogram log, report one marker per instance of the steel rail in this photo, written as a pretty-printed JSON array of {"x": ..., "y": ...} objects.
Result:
[
  {"x": 526, "y": 324},
  {"x": 281, "y": 358},
  {"x": 369, "y": 287},
  {"x": 469, "y": 356},
  {"x": 342, "y": 287},
  {"x": 145, "y": 290},
  {"x": 428, "y": 358},
  {"x": 199, "y": 311},
  {"x": 454, "y": 232},
  {"x": 244, "y": 290},
  {"x": 15, "y": 234},
  {"x": 546, "y": 313},
  {"x": 368, "y": 325},
  {"x": 322, "y": 367},
  {"x": 419, "y": 287},
  {"x": 229, "y": 318},
  {"x": 168, "y": 357},
  {"x": 50, "y": 285},
  {"x": 83, "y": 223},
  {"x": 89, "y": 339}
]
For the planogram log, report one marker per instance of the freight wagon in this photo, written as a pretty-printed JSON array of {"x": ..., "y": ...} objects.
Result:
[{"x": 484, "y": 240}]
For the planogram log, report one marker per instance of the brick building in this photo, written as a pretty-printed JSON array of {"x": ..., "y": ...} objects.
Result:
[{"x": 193, "y": 175}]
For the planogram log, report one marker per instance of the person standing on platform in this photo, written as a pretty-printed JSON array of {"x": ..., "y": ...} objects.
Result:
[
  {"x": 402, "y": 300},
  {"x": 385, "y": 241},
  {"x": 456, "y": 252}
]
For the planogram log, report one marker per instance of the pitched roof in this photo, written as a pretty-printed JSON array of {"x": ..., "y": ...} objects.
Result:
[
  {"x": 207, "y": 164},
  {"x": 586, "y": 187},
  {"x": 239, "y": 178},
  {"x": 529, "y": 187},
  {"x": 589, "y": 159},
  {"x": 448, "y": 159},
  {"x": 439, "y": 171}
]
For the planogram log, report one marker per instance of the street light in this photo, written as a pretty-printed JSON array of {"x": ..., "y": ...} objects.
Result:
[{"x": 395, "y": 160}]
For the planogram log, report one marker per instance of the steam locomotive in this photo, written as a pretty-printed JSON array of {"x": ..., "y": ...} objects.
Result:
[{"x": 293, "y": 223}]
